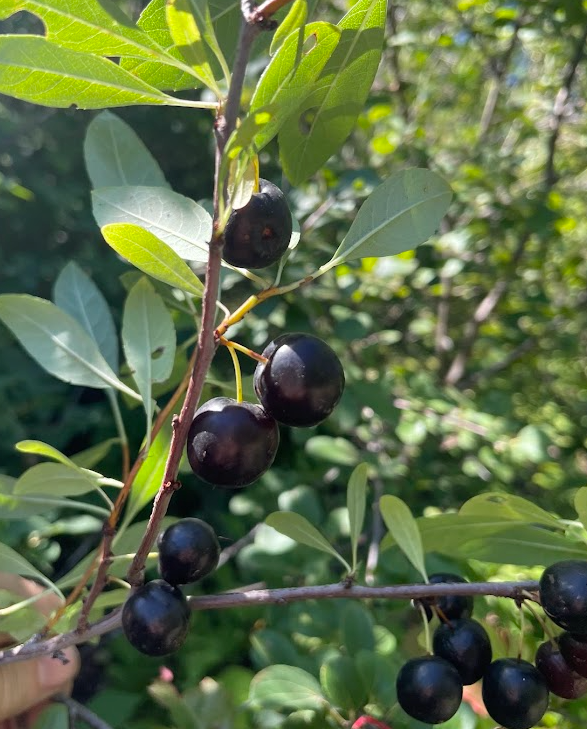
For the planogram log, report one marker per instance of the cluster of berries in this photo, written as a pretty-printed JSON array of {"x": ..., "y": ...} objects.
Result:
[
  {"x": 155, "y": 618},
  {"x": 515, "y": 692},
  {"x": 231, "y": 444}
]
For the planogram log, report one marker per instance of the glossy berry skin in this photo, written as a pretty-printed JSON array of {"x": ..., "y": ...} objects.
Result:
[
  {"x": 429, "y": 689},
  {"x": 302, "y": 382},
  {"x": 155, "y": 618},
  {"x": 453, "y": 607},
  {"x": 515, "y": 693},
  {"x": 560, "y": 677},
  {"x": 563, "y": 594},
  {"x": 574, "y": 651},
  {"x": 466, "y": 645},
  {"x": 258, "y": 234},
  {"x": 231, "y": 444},
  {"x": 188, "y": 551}
]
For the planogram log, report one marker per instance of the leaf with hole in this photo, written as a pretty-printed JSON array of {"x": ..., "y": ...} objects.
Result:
[
  {"x": 404, "y": 529},
  {"x": 294, "y": 20},
  {"x": 299, "y": 529},
  {"x": 400, "y": 214},
  {"x": 288, "y": 79},
  {"x": 116, "y": 156},
  {"x": 76, "y": 293},
  {"x": 318, "y": 128},
  {"x": 152, "y": 256},
  {"x": 179, "y": 222},
  {"x": 58, "y": 342},
  {"x": 36, "y": 70}
]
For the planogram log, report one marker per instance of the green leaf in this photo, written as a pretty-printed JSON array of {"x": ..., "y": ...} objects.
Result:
[
  {"x": 153, "y": 22},
  {"x": 411, "y": 429},
  {"x": 288, "y": 79},
  {"x": 75, "y": 293},
  {"x": 13, "y": 563},
  {"x": 152, "y": 256},
  {"x": 357, "y": 629},
  {"x": 342, "y": 683},
  {"x": 55, "y": 716},
  {"x": 493, "y": 539},
  {"x": 270, "y": 646},
  {"x": 400, "y": 214},
  {"x": 21, "y": 506},
  {"x": 318, "y": 128},
  {"x": 38, "y": 448},
  {"x": 148, "y": 337},
  {"x": 150, "y": 475},
  {"x": 404, "y": 529},
  {"x": 581, "y": 505},
  {"x": 509, "y": 506},
  {"x": 167, "y": 696},
  {"x": 356, "y": 497},
  {"x": 188, "y": 40},
  {"x": 116, "y": 156},
  {"x": 295, "y": 527},
  {"x": 280, "y": 686},
  {"x": 333, "y": 450},
  {"x": 91, "y": 456},
  {"x": 36, "y": 70},
  {"x": 294, "y": 20},
  {"x": 56, "y": 479},
  {"x": 201, "y": 13},
  {"x": 93, "y": 26},
  {"x": 57, "y": 342},
  {"x": 179, "y": 222}
]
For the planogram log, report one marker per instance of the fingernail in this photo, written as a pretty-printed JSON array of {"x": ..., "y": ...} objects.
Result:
[{"x": 53, "y": 672}]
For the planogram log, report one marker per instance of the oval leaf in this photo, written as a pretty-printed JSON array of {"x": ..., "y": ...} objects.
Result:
[
  {"x": 14, "y": 564},
  {"x": 152, "y": 256},
  {"x": 295, "y": 527},
  {"x": 44, "y": 449},
  {"x": 78, "y": 295},
  {"x": 58, "y": 342},
  {"x": 283, "y": 686},
  {"x": 176, "y": 220},
  {"x": 342, "y": 683},
  {"x": 334, "y": 450},
  {"x": 356, "y": 497},
  {"x": 56, "y": 479},
  {"x": 400, "y": 214},
  {"x": 148, "y": 337},
  {"x": 404, "y": 529},
  {"x": 115, "y": 155}
]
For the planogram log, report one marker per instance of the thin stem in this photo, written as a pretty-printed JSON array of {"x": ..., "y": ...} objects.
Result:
[
  {"x": 427, "y": 636},
  {"x": 241, "y": 348},
  {"x": 237, "y": 373},
  {"x": 78, "y": 711},
  {"x": 121, "y": 430},
  {"x": 282, "y": 596},
  {"x": 547, "y": 631}
]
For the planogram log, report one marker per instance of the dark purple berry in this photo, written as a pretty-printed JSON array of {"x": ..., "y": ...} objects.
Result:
[
  {"x": 560, "y": 677},
  {"x": 188, "y": 551},
  {"x": 574, "y": 651},
  {"x": 155, "y": 618},
  {"x": 563, "y": 594},
  {"x": 231, "y": 444},
  {"x": 429, "y": 689},
  {"x": 302, "y": 382},
  {"x": 258, "y": 234},
  {"x": 452, "y": 607},
  {"x": 515, "y": 693},
  {"x": 466, "y": 645}
]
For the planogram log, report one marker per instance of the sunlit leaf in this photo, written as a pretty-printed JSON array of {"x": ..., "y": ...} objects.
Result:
[
  {"x": 176, "y": 220},
  {"x": 152, "y": 256},
  {"x": 56, "y": 479},
  {"x": 356, "y": 499},
  {"x": 294, "y": 20}
]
